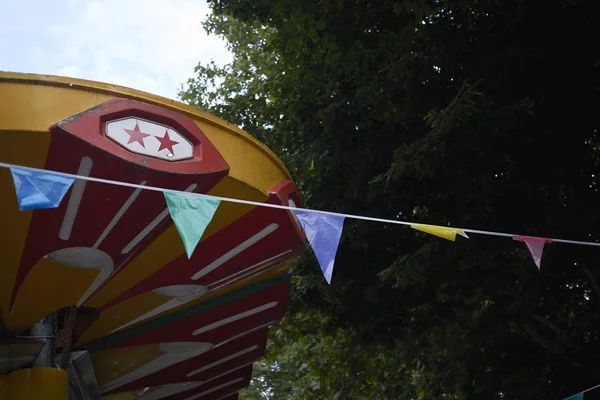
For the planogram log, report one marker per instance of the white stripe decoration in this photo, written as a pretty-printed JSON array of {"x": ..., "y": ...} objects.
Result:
[
  {"x": 199, "y": 291},
  {"x": 222, "y": 360},
  {"x": 173, "y": 353},
  {"x": 246, "y": 271},
  {"x": 170, "y": 389},
  {"x": 216, "y": 388},
  {"x": 85, "y": 167},
  {"x": 234, "y": 318},
  {"x": 249, "y": 331},
  {"x": 182, "y": 294},
  {"x": 150, "y": 227},
  {"x": 85, "y": 258},
  {"x": 229, "y": 372},
  {"x": 173, "y": 388},
  {"x": 235, "y": 251},
  {"x": 160, "y": 363},
  {"x": 119, "y": 215}
]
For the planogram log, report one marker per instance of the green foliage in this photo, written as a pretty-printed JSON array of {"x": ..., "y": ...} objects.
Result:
[{"x": 470, "y": 113}]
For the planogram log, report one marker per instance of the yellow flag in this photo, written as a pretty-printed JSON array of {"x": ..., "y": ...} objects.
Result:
[{"x": 441, "y": 231}]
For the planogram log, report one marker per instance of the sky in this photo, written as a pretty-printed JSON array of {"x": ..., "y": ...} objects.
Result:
[{"x": 148, "y": 45}]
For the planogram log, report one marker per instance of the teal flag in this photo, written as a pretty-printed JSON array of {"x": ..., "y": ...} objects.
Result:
[
  {"x": 191, "y": 215},
  {"x": 578, "y": 396}
]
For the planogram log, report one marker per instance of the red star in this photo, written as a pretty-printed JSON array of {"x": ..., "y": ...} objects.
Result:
[
  {"x": 135, "y": 135},
  {"x": 166, "y": 142}
]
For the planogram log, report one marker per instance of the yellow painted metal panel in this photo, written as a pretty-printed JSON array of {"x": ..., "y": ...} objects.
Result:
[
  {"x": 56, "y": 282},
  {"x": 112, "y": 363},
  {"x": 248, "y": 163},
  {"x": 35, "y": 384},
  {"x": 28, "y": 148}
]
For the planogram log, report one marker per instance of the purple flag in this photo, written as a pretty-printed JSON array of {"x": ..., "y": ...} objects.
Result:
[
  {"x": 535, "y": 246},
  {"x": 323, "y": 232}
]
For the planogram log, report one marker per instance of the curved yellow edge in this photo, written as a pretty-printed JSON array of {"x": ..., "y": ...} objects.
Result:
[
  {"x": 35, "y": 384},
  {"x": 108, "y": 91},
  {"x": 28, "y": 148},
  {"x": 29, "y": 104}
]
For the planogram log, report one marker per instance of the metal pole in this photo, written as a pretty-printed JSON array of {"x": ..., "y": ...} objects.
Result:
[{"x": 44, "y": 329}]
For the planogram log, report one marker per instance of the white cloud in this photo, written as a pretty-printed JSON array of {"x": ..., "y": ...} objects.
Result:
[{"x": 150, "y": 45}]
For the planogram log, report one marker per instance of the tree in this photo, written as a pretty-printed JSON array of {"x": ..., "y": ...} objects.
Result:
[{"x": 475, "y": 113}]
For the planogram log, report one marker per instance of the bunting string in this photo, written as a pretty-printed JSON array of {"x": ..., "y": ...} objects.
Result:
[
  {"x": 579, "y": 396},
  {"x": 415, "y": 225}
]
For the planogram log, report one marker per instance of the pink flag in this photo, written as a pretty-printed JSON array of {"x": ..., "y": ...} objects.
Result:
[{"x": 535, "y": 246}]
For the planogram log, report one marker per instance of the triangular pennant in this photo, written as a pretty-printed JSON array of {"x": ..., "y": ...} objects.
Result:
[
  {"x": 440, "y": 231},
  {"x": 535, "y": 246},
  {"x": 323, "y": 232},
  {"x": 578, "y": 396},
  {"x": 191, "y": 215},
  {"x": 37, "y": 190}
]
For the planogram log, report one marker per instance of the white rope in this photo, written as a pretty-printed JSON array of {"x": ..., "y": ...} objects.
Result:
[
  {"x": 277, "y": 206},
  {"x": 582, "y": 392}
]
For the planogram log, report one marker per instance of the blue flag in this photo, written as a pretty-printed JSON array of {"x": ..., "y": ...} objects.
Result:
[
  {"x": 323, "y": 232},
  {"x": 37, "y": 190},
  {"x": 191, "y": 215}
]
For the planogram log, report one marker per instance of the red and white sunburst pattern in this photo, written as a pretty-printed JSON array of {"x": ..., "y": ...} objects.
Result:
[{"x": 205, "y": 367}]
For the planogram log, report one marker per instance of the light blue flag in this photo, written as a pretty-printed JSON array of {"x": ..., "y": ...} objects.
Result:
[
  {"x": 37, "y": 190},
  {"x": 323, "y": 232},
  {"x": 191, "y": 215},
  {"x": 578, "y": 396}
]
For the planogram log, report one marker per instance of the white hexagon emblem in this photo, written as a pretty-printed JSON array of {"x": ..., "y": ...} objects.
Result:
[{"x": 150, "y": 139}]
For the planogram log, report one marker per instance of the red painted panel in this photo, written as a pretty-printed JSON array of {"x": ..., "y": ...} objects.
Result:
[
  {"x": 226, "y": 393},
  {"x": 283, "y": 243},
  {"x": 89, "y": 126},
  {"x": 218, "y": 388},
  {"x": 83, "y": 136},
  {"x": 182, "y": 331},
  {"x": 286, "y": 191},
  {"x": 235, "y": 352}
]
